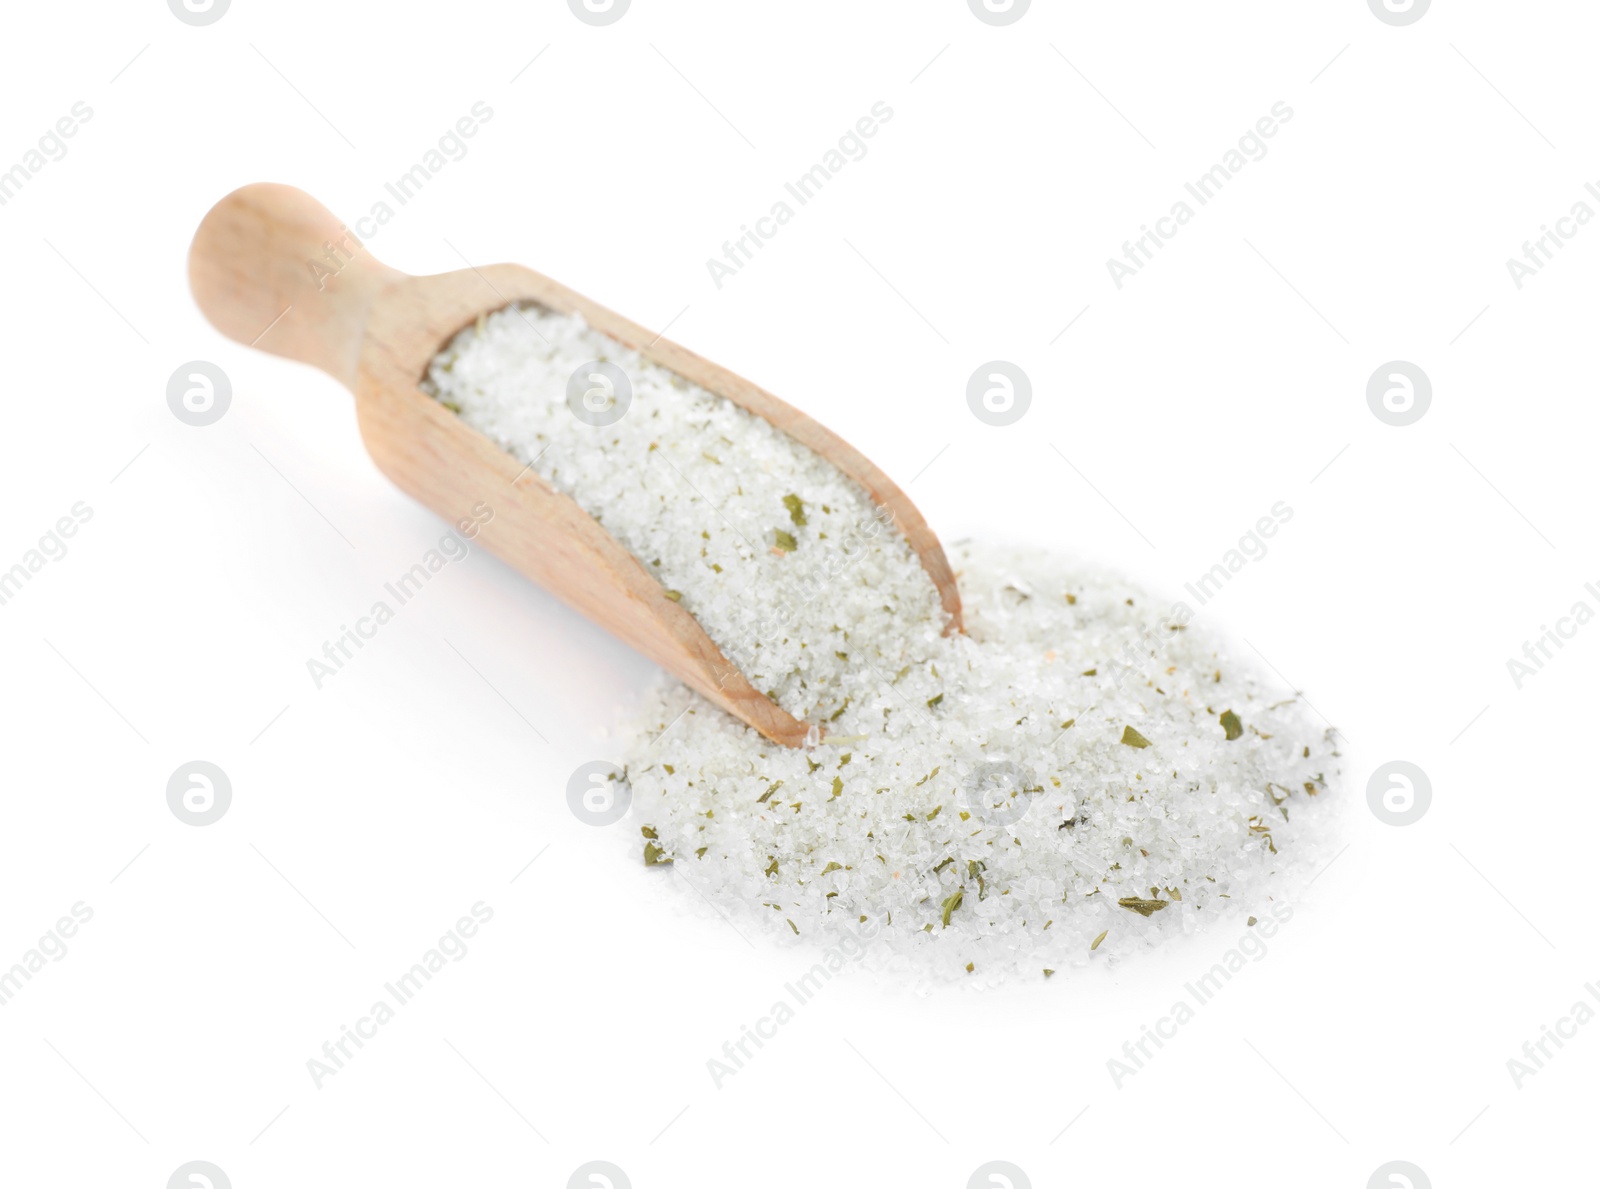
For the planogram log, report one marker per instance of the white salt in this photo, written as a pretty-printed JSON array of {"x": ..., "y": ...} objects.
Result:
[
  {"x": 1057, "y": 786},
  {"x": 695, "y": 487}
]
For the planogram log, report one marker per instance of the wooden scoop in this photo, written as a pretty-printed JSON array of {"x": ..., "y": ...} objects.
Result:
[{"x": 375, "y": 330}]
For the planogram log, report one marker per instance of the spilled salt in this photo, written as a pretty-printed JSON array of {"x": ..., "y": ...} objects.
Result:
[{"x": 1080, "y": 775}]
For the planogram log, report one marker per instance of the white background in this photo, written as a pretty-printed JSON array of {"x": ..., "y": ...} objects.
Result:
[{"x": 1228, "y": 375}]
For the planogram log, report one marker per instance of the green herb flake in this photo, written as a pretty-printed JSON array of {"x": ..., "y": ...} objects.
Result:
[
  {"x": 649, "y": 831},
  {"x": 952, "y": 902},
  {"x": 700, "y": 852},
  {"x": 1257, "y": 826},
  {"x": 1048, "y": 972},
  {"x": 797, "y": 509},
  {"x": 793, "y": 926},
  {"x": 1231, "y": 726},
  {"x": 1132, "y": 738},
  {"x": 772, "y": 867},
  {"x": 785, "y": 541},
  {"x": 937, "y": 810},
  {"x": 838, "y": 788},
  {"x": 671, "y": 771},
  {"x": 762, "y": 799},
  {"x": 833, "y": 867},
  {"x": 1095, "y": 944},
  {"x": 675, "y": 595},
  {"x": 654, "y": 856},
  {"x": 1141, "y": 906},
  {"x": 935, "y": 700},
  {"x": 974, "y": 869}
]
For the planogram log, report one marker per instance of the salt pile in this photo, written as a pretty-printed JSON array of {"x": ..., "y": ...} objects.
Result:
[{"x": 1080, "y": 775}]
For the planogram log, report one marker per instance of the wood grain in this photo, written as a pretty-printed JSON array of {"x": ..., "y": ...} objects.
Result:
[{"x": 272, "y": 268}]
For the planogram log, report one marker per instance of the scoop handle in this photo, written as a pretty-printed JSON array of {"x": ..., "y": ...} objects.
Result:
[{"x": 273, "y": 268}]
